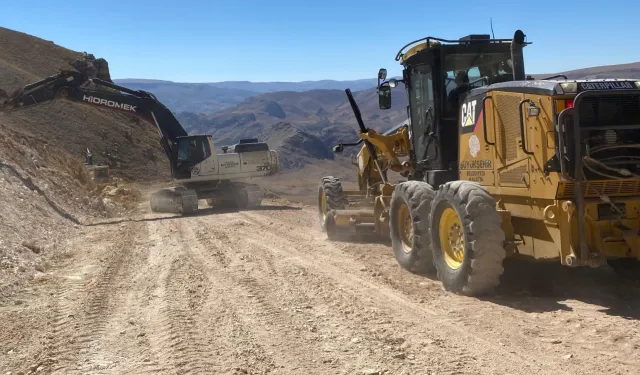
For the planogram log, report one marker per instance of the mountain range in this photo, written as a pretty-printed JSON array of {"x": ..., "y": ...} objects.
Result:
[{"x": 216, "y": 96}]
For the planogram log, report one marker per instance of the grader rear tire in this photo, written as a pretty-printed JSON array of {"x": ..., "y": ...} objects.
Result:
[
  {"x": 330, "y": 197},
  {"x": 467, "y": 238},
  {"x": 409, "y": 228}
]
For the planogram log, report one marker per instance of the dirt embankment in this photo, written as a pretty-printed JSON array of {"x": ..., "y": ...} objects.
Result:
[
  {"x": 44, "y": 193},
  {"x": 264, "y": 292},
  {"x": 44, "y": 188}
]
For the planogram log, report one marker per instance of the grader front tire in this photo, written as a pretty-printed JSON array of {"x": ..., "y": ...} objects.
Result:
[
  {"x": 330, "y": 197},
  {"x": 408, "y": 226},
  {"x": 467, "y": 238}
]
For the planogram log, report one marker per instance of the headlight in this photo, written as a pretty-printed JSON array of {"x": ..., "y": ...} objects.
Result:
[
  {"x": 570, "y": 87},
  {"x": 638, "y": 84}
]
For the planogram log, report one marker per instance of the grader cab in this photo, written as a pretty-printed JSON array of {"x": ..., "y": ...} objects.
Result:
[{"x": 497, "y": 164}]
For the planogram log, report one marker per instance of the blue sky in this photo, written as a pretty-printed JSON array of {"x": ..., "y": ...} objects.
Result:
[{"x": 208, "y": 41}]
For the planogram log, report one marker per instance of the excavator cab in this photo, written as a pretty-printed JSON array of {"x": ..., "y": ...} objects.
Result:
[
  {"x": 191, "y": 150},
  {"x": 438, "y": 74}
]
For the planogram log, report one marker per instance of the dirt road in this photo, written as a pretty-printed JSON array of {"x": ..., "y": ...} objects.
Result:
[{"x": 259, "y": 292}]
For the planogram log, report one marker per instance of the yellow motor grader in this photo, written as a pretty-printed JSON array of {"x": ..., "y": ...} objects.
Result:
[{"x": 496, "y": 164}]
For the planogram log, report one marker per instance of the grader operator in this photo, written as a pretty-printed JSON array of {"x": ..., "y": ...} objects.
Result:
[
  {"x": 195, "y": 164},
  {"x": 498, "y": 165}
]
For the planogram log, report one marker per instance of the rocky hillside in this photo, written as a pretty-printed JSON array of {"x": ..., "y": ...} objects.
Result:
[
  {"x": 129, "y": 146},
  {"x": 325, "y": 114},
  {"x": 296, "y": 148}
]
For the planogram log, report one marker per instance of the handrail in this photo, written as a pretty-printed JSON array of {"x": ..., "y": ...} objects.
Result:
[
  {"x": 524, "y": 143},
  {"x": 484, "y": 121}
]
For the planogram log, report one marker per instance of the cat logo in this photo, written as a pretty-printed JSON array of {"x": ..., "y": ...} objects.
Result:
[{"x": 468, "y": 117}]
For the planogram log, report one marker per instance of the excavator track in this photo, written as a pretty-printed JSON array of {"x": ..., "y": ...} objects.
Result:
[
  {"x": 237, "y": 195},
  {"x": 174, "y": 200}
]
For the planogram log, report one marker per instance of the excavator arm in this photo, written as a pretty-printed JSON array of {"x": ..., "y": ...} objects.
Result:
[{"x": 81, "y": 88}]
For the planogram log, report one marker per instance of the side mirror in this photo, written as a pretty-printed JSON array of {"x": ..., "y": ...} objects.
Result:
[
  {"x": 384, "y": 97},
  {"x": 382, "y": 74},
  {"x": 338, "y": 149}
]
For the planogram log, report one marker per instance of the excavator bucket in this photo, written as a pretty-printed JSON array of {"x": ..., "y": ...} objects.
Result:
[{"x": 92, "y": 67}]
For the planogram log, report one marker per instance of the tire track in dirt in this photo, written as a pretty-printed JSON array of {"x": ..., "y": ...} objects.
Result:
[
  {"x": 79, "y": 307},
  {"x": 181, "y": 291},
  {"x": 61, "y": 347},
  {"x": 343, "y": 270},
  {"x": 254, "y": 282},
  {"x": 197, "y": 326},
  {"x": 347, "y": 332},
  {"x": 101, "y": 304},
  {"x": 126, "y": 338}
]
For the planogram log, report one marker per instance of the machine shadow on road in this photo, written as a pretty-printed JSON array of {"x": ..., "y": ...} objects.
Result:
[{"x": 542, "y": 287}]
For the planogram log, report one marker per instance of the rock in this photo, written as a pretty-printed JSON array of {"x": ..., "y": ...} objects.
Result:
[
  {"x": 97, "y": 205},
  {"x": 399, "y": 355},
  {"x": 568, "y": 356},
  {"x": 355, "y": 340},
  {"x": 109, "y": 205},
  {"x": 370, "y": 372},
  {"x": 32, "y": 245}
]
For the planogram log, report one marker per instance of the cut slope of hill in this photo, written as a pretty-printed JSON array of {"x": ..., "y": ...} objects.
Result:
[{"x": 73, "y": 127}]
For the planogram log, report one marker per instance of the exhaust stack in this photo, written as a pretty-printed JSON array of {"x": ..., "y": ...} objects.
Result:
[{"x": 517, "y": 43}]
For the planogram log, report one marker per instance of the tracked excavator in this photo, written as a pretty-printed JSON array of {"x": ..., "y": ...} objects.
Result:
[
  {"x": 196, "y": 167},
  {"x": 497, "y": 164}
]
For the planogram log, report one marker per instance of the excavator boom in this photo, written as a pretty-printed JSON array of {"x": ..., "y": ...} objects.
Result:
[{"x": 77, "y": 87}]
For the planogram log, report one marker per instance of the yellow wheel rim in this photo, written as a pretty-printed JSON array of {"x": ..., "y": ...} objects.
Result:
[
  {"x": 323, "y": 205},
  {"x": 451, "y": 238},
  {"x": 405, "y": 228}
]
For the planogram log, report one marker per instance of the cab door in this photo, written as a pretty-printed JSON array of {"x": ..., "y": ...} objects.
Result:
[{"x": 423, "y": 116}]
